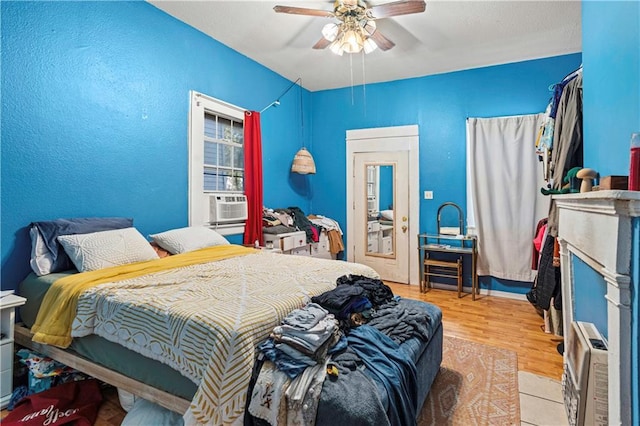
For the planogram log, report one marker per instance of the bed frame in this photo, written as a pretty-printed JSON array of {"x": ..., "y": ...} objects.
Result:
[{"x": 23, "y": 337}]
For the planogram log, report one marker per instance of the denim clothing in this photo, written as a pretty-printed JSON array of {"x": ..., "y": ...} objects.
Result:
[
  {"x": 289, "y": 366},
  {"x": 392, "y": 370}
]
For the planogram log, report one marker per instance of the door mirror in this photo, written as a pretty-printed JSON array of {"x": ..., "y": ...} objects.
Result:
[{"x": 380, "y": 220}]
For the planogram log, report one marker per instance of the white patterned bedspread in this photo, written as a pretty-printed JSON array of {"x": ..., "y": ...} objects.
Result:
[{"x": 206, "y": 320}]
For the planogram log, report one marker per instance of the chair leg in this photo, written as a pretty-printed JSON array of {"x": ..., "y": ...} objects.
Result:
[
  {"x": 459, "y": 278},
  {"x": 427, "y": 283}
]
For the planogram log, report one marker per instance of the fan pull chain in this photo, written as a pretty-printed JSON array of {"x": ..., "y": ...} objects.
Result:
[
  {"x": 351, "y": 71},
  {"x": 364, "y": 85}
]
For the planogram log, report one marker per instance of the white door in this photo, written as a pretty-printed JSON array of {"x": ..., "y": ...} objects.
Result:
[{"x": 381, "y": 212}]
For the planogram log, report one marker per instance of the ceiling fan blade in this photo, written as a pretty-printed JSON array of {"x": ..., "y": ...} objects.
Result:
[
  {"x": 382, "y": 42},
  {"x": 303, "y": 11},
  {"x": 322, "y": 43},
  {"x": 403, "y": 7}
]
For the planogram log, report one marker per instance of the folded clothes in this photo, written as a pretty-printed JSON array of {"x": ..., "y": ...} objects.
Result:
[
  {"x": 306, "y": 317},
  {"x": 309, "y": 341}
]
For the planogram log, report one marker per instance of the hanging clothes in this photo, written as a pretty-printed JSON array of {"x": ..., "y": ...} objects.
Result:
[{"x": 567, "y": 142}]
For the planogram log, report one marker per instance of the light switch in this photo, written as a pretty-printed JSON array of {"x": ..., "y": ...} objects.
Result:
[{"x": 428, "y": 195}]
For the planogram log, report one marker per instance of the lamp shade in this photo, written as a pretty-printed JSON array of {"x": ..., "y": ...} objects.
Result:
[{"x": 303, "y": 163}]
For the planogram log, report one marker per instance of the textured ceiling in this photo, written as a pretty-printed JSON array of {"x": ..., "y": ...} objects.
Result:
[{"x": 448, "y": 36}]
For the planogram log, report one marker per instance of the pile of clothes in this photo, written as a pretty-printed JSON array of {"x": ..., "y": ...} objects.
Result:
[
  {"x": 338, "y": 354},
  {"x": 287, "y": 389},
  {"x": 291, "y": 219}
]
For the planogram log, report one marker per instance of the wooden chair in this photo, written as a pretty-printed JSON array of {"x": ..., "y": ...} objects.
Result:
[{"x": 445, "y": 269}]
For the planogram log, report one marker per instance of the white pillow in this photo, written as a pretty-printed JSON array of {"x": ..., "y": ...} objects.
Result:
[
  {"x": 41, "y": 259},
  {"x": 187, "y": 239},
  {"x": 99, "y": 250},
  {"x": 386, "y": 214}
]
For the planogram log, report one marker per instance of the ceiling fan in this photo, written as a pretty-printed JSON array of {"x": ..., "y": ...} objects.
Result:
[{"x": 355, "y": 29}]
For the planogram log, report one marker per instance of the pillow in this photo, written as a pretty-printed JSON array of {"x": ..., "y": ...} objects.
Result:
[
  {"x": 386, "y": 214},
  {"x": 99, "y": 250},
  {"x": 48, "y": 256},
  {"x": 183, "y": 240},
  {"x": 159, "y": 250}
]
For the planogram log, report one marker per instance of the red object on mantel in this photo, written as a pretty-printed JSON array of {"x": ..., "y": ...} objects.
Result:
[{"x": 634, "y": 166}]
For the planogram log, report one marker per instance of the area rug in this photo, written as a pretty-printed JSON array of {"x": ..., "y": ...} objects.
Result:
[{"x": 476, "y": 385}]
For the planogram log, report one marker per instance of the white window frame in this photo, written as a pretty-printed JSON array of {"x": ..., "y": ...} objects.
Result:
[{"x": 198, "y": 202}]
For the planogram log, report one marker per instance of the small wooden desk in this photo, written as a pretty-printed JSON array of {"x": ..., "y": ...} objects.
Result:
[{"x": 429, "y": 243}]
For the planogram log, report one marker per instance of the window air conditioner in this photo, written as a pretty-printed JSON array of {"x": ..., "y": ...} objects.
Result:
[{"x": 227, "y": 208}]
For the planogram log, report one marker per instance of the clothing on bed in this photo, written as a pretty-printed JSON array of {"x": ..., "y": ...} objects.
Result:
[
  {"x": 393, "y": 371},
  {"x": 372, "y": 361},
  {"x": 304, "y": 338},
  {"x": 375, "y": 290},
  {"x": 400, "y": 321},
  {"x": 352, "y": 393}
]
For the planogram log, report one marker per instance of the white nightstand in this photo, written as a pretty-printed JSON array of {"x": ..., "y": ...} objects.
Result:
[{"x": 7, "y": 320}]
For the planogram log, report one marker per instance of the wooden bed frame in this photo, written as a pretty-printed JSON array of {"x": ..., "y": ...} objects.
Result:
[{"x": 23, "y": 337}]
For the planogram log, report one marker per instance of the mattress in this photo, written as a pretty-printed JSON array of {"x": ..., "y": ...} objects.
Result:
[{"x": 102, "y": 351}]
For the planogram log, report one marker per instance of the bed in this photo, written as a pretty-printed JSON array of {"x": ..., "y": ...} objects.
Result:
[{"x": 182, "y": 331}]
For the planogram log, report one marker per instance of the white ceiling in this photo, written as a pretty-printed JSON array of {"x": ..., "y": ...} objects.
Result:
[{"x": 448, "y": 36}]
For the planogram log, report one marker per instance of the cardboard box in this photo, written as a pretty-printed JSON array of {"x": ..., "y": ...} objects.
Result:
[{"x": 614, "y": 182}]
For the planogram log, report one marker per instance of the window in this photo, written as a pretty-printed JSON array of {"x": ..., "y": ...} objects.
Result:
[
  {"x": 223, "y": 153},
  {"x": 216, "y": 156}
]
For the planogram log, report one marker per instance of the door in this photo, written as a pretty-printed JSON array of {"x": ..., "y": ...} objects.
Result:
[{"x": 381, "y": 212}]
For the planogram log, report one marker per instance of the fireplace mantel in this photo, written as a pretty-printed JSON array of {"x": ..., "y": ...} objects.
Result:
[{"x": 597, "y": 228}]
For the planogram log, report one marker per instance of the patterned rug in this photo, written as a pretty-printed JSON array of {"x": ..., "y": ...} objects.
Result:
[{"x": 477, "y": 385}]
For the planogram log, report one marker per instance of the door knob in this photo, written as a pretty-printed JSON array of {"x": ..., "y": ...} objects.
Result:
[
  {"x": 404, "y": 228},
  {"x": 404, "y": 218}
]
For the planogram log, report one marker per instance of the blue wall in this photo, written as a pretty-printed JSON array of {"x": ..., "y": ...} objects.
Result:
[
  {"x": 439, "y": 104},
  {"x": 611, "y": 54},
  {"x": 611, "y": 80},
  {"x": 95, "y": 101}
]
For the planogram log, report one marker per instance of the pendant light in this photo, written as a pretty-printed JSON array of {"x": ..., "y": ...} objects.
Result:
[{"x": 303, "y": 161}]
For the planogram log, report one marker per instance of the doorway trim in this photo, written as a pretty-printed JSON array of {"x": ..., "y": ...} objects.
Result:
[{"x": 405, "y": 138}]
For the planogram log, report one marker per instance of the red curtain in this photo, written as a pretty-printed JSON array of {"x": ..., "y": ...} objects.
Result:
[{"x": 253, "y": 177}]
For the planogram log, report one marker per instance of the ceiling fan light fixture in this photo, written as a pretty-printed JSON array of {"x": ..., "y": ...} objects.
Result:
[
  {"x": 369, "y": 46},
  {"x": 330, "y": 31},
  {"x": 352, "y": 41},
  {"x": 336, "y": 46}
]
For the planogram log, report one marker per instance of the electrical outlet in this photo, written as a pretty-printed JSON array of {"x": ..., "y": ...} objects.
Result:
[{"x": 428, "y": 195}]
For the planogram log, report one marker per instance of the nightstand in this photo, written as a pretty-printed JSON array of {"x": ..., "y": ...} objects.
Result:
[{"x": 7, "y": 320}]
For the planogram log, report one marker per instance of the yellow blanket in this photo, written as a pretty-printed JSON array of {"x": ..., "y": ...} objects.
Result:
[{"x": 58, "y": 309}]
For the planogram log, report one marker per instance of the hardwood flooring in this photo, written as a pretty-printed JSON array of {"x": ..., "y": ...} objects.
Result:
[
  {"x": 505, "y": 323},
  {"x": 496, "y": 321}
]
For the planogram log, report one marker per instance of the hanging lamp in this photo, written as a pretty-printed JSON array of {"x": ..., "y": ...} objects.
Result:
[
  {"x": 303, "y": 160},
  {"x": 303, "y": 163}
]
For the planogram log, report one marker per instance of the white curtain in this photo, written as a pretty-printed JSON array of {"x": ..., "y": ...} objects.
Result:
[{"x": 504, "y": 202}]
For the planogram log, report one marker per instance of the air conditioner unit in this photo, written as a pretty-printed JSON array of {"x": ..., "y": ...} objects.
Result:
[
  {"x": 585, "y": 384},
  {"x": 227, "y": 208}
]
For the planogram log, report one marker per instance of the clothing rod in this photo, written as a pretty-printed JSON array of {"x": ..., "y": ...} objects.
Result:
[{"x": 277, "y": 101}]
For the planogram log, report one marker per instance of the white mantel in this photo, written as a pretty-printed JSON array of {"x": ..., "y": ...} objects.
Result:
[{"x": 597, "y": 228}]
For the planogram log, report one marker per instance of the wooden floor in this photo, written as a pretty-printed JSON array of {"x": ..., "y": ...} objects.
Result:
[
  {"x": 505, "y": 323},
  {"x": 496, "y": 321}
]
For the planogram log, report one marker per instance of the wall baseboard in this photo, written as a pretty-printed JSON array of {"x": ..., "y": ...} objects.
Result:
[{"x": 484, "y": 291}]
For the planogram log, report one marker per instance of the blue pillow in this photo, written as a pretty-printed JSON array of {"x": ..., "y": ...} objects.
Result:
[{"x": 44, "y": 239}]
